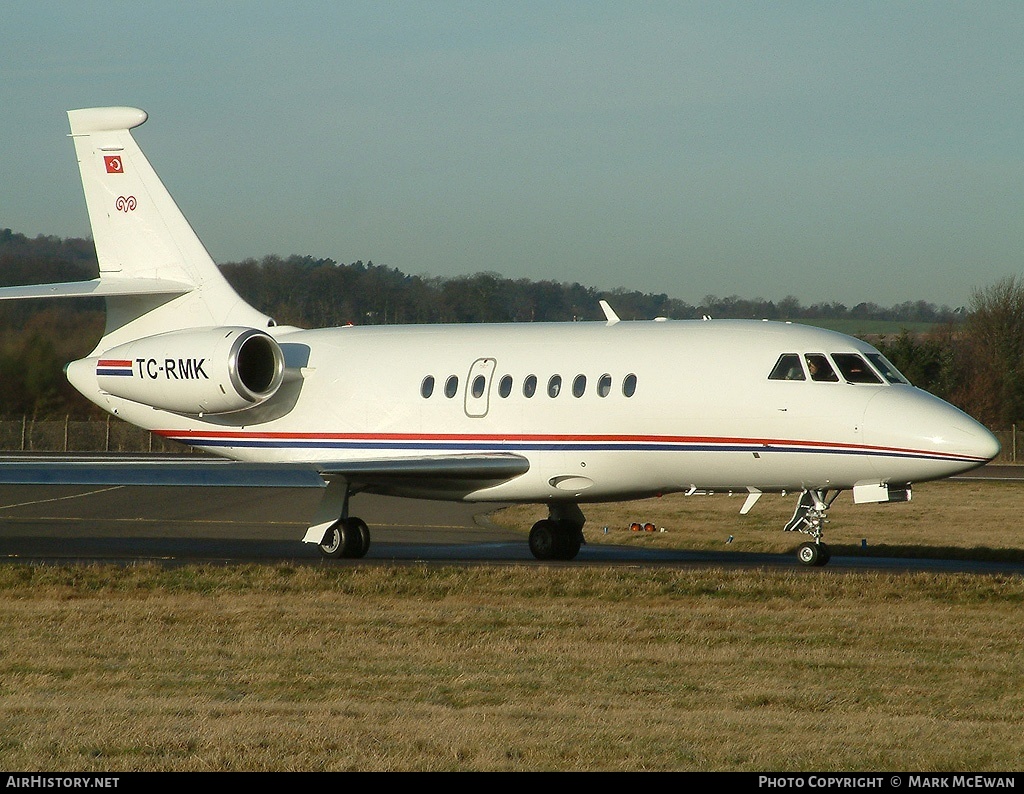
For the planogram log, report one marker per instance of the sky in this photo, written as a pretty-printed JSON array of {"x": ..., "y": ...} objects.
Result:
[{"x": 843, "y": 151}]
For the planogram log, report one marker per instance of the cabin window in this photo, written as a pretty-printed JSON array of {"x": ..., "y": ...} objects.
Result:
[
  {"x": 579, "y": 385},
  {"x": 427, "y": 387},
  {"x": 889, "y": 372},
  {"x": 629, "y": 385},
  {"x": 451, "y": 386},
  {"x": 530, "y": 386},
  {"x": 819, "y": 368},
  {"x": 787, "y": 368},
  {"x": 505, "y": 386},
  {"x": 554, "y": 385},
  {"x": 854, "y": 368},
  {"x": 604, "y": 385},
  {"x": 478, "y": 386}
]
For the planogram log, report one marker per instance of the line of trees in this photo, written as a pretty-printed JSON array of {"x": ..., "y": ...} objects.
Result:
[
  {"x": 972, "y": 356},
  {"x": 310, "y": 292}
]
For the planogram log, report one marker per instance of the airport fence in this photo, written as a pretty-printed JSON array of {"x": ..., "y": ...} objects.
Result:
[
  {"x": 1013, "y": 445},
  {"x": 24, "y": 434}
]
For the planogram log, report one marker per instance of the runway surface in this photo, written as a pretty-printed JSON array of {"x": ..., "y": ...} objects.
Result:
[{"x": 180, "y": 525}]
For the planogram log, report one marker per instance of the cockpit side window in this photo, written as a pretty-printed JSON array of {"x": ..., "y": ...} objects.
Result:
[
  {"x": 854, "y": 368},
  {"x": 819, "y": 368},
  {"x": 787, "y": 368},
  {"x": 889, "y": 372}
]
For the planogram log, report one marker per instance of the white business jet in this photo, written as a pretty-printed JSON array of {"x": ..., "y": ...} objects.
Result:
[{"x": 554, "y": 413}]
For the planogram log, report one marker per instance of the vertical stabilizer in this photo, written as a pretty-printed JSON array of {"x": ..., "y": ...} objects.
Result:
[{"x": 140, "y": 233}]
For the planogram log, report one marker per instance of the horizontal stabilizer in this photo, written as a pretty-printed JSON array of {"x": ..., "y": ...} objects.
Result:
[{"x": 97, "y": 288}]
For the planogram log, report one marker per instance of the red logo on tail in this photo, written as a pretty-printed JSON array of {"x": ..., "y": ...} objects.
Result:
[{"x": 113, "y": 164}]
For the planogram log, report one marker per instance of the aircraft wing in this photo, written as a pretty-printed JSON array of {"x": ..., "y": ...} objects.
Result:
[
  {"x": 45, "y": 469},
  {"x": 180, "y": 470}
]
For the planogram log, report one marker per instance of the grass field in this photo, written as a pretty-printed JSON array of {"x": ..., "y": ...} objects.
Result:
[
  {"x": 872, "y": 328},
  {"x": 523, "y": 668}
]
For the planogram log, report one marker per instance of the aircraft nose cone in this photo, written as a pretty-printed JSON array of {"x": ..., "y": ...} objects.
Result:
[{"x": 931, "y": 438}]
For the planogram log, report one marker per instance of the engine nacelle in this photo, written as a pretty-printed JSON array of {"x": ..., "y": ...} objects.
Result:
[{"x": 201, "y": 371}]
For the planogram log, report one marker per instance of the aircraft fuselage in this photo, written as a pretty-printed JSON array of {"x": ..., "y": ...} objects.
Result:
[{"x": 601, "y": 411}]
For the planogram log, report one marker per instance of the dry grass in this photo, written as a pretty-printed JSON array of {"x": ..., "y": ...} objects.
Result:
[{"x": 383, "y": 667}]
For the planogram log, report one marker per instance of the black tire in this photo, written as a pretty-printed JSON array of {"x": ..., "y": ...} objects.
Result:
[
  {"x": 332, "y": 546},
  {"x": 808, "y": 554},
  {"x": 347, "y": 538},
  {"x": 356, "y": 538},
  {"x": 544, "y": 540},
  {"x": 813, "y": 555},
  {"x": 570, "y": 539}
]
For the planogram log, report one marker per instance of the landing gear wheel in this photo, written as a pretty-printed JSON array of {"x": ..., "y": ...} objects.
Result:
[
  {"x": 357, "y": 537},
  {"x": 570, "y": 540},
  {"x": 555, "y": 540},
  {"x": 331, "y": 546},
  {"x": 348, "y": 538},
  {"x": 544, "y": 540},
  {"x": 813, "y": 554}
]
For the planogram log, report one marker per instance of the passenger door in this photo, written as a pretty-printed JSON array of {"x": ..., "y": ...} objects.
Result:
[{"x": 478, "y": 386}]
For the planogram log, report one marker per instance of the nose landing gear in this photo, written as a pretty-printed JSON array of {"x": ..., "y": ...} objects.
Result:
[{"x": 809, "y": 518}]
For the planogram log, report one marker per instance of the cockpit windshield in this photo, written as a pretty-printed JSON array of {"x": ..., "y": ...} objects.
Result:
[
  {"x": 822, "y": 368},
  {"x": 854, "y": 368},
  {"x": 787, "y": 368},
  {"x": 889, "y": 372}
]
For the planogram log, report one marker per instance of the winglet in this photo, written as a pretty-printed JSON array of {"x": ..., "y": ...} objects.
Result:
[{"x": 609, "y": 313}]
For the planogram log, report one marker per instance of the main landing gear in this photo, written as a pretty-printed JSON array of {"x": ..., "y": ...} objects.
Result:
[
  {"x": 347, "y": 537},
  {"x": 560, "y": 535},
  {"x": 809, "y": 518}
]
